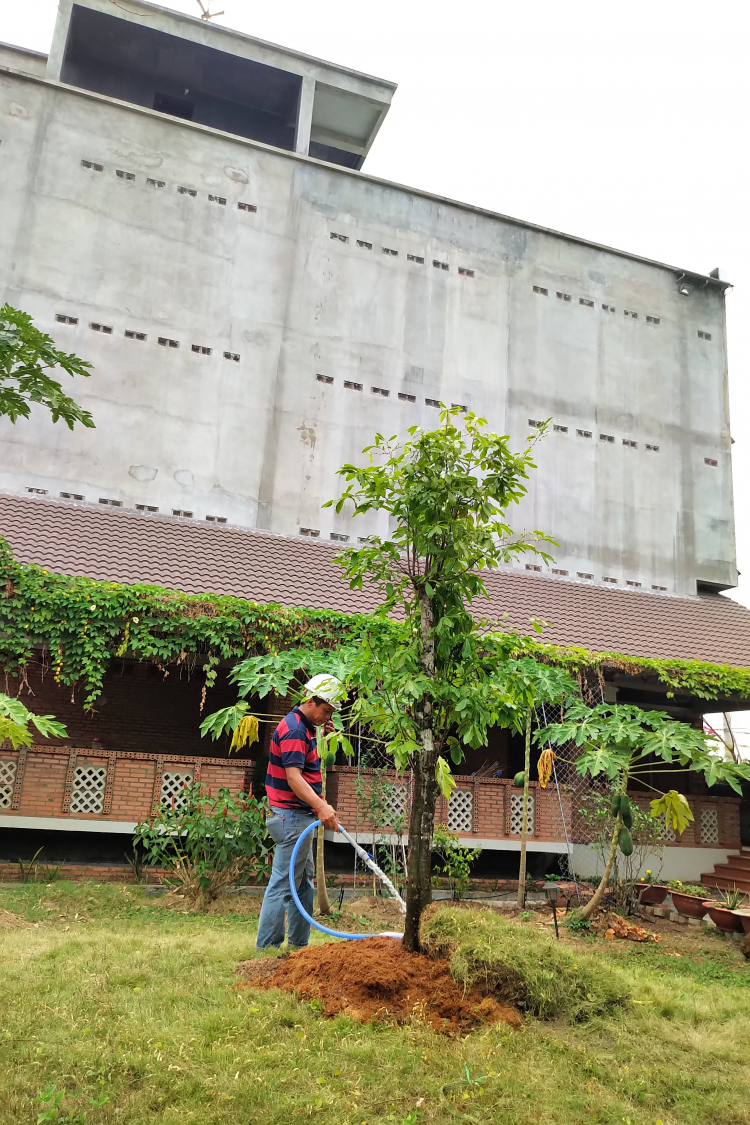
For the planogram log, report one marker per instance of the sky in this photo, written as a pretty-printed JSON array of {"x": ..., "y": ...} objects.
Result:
[{"x": 623, "y": 123}]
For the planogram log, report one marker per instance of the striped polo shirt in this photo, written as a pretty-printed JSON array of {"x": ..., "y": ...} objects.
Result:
[{"x": 293, "y": 745}]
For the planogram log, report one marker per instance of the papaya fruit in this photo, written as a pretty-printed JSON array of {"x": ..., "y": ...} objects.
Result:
[
  {"x": 625, "y": 840},
  {"x": 626, "y": 812},
  {"x": 328, "y": 759},
  {"x": 519, "y": 780},
  {"x": 615, "y": 804}
]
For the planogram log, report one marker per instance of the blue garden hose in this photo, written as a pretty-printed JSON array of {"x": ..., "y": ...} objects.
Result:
[{"x": 303, "y": 912}]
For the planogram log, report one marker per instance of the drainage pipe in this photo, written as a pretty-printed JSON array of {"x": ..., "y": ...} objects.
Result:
[{"x": 370, "y": 863}]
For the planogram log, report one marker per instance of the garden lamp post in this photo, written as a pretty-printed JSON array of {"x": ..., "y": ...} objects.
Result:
[{"x": 552, "y": 890}]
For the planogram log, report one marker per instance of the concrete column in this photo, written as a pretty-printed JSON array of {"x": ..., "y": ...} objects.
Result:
[
  {"x": 59, "y": 39},
  {"x": 304, "y": 116}
]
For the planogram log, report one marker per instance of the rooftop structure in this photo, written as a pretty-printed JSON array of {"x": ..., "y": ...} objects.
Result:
[{"x": 187, "y": 68}]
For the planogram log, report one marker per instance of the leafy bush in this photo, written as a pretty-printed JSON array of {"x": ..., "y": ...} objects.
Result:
[
  {"x": 454, "y": 862},
  {"x": 206, "y": 842},
  {"x": 519, "y": 965}
]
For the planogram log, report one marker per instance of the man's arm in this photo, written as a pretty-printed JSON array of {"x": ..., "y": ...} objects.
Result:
[{"x": 324, "y": 812}]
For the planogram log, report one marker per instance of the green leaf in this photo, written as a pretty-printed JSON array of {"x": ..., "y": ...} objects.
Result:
[{"x": 444, "y": 777}]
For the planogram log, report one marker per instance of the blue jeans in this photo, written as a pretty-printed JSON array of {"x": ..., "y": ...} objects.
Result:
[{"x": 285, "y": 826}]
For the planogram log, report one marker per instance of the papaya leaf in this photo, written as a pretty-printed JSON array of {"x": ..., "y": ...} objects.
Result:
[{"x": 673, "y": 806}]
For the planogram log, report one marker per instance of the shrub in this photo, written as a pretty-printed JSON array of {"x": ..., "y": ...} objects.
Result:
[
  {"x": 519, "y": 965},
  {"x": 206, "y": 842},
  {"x": 454, "y": 862}
]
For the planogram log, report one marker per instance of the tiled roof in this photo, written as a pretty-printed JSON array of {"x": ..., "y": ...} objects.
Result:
[{"x": 196, "y": 558}]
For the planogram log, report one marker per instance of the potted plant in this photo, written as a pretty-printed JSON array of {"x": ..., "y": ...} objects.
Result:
[
  {"x": 688, "y": 899},
  {"x": 744, "y": 916},
  {"x": 722, "y": 911},
  {"x": 650, "y": 892}
]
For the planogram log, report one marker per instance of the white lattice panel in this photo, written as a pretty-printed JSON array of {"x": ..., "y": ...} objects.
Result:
[
  {"x": 173, "y": 784},
  {"x": 516, "y": 814},
  {"x": 88, "y": 789},
  {"x": 394, "y": 799},
  {"x": 709, "y": 826},
  {"x": 461, "y": 811},
  {"x": 7, "y": 783}
]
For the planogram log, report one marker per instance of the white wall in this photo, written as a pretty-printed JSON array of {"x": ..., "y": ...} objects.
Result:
[{"x": 258, "y": 441}]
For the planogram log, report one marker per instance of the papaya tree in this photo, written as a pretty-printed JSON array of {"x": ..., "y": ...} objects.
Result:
[{"x": 624, "y": 743}]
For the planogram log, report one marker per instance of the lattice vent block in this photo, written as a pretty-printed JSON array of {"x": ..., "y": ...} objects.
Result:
[
  {"x": 394, "y": 799},
  {"x": 173, "y": 784},
  {"x": 7, "y": 783},
  {"x": 668, "y": 833},
  {"x": 461, "y": 811},
  {"x": 709, "y": 826},
  {"x": 88, "y": 789},
  {"x": 516, "y": 814}
]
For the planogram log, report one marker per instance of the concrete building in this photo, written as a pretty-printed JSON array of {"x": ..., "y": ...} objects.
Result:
[{"x": 183, "y": 206}]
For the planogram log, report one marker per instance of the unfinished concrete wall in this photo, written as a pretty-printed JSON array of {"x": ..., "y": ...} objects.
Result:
[{"x": 281, "y": 270}]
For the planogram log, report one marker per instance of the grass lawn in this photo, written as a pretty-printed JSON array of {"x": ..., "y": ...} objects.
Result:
[{"x": 111, "y": 996}]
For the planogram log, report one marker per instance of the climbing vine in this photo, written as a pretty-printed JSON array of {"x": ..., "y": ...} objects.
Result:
[{"x": 79, "y": 625}]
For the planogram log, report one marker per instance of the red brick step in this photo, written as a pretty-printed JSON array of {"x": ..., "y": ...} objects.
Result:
[{"x": 734, "y": 873}]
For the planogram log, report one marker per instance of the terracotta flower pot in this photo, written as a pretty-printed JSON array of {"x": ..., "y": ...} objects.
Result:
[
  {"x": 725, "y": 919},
  {"x": 652, "y": 894},
  {"x": 688, "y": 905},
  {"x": 744, "y": 917}
]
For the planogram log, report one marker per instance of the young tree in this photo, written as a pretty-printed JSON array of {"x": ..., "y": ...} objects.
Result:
[
  {"x": 26, "y": 357},
  {"x": 624, "y": 742}
]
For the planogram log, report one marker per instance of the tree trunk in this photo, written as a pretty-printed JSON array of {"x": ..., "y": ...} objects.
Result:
[
  {"x": 525, "y": 813},
  {"x": 324, "y": 905},
  {"x": 422, "y": 818},
  {"x": 593, "y": 903},
  {"x": 421, "y": 824}
]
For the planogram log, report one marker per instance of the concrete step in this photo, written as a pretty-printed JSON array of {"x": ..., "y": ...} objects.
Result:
[
  {"x": 726, "y": 882},
  {"x": 739, "y": 862}
]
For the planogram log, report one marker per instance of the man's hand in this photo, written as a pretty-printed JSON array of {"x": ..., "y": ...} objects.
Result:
[
  {"x": 306, "y": 793},
  {"x": 328, "y": 728},
  {"x": 327, "y": 816}
]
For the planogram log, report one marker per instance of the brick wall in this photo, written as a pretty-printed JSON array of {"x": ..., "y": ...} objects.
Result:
[
  {"x": 40, "y": 788},
  {"x": 491, "y": 811},
  {"x": 141, "y": 709},
  {"x": 490, "y": 801}
]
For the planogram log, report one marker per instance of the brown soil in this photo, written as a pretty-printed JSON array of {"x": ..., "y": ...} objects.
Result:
[
  {"x": 248, "y": 905},
  {"x": 10, "y": 921},
  {"x": 377, "y": 979}
]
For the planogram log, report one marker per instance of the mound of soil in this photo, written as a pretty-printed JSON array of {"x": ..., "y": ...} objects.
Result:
[
  {"x": 386, "y": 911},
  {"x": 10, "y": 921},
  {"x": 376, "y": 979},
  {"x": 248, "y": 905}
]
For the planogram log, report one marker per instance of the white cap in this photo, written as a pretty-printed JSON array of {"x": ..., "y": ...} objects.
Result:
[{"x": 326, "y": 687}]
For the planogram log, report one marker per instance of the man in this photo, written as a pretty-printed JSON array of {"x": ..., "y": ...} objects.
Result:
[{"x": 294, "y": 786}]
